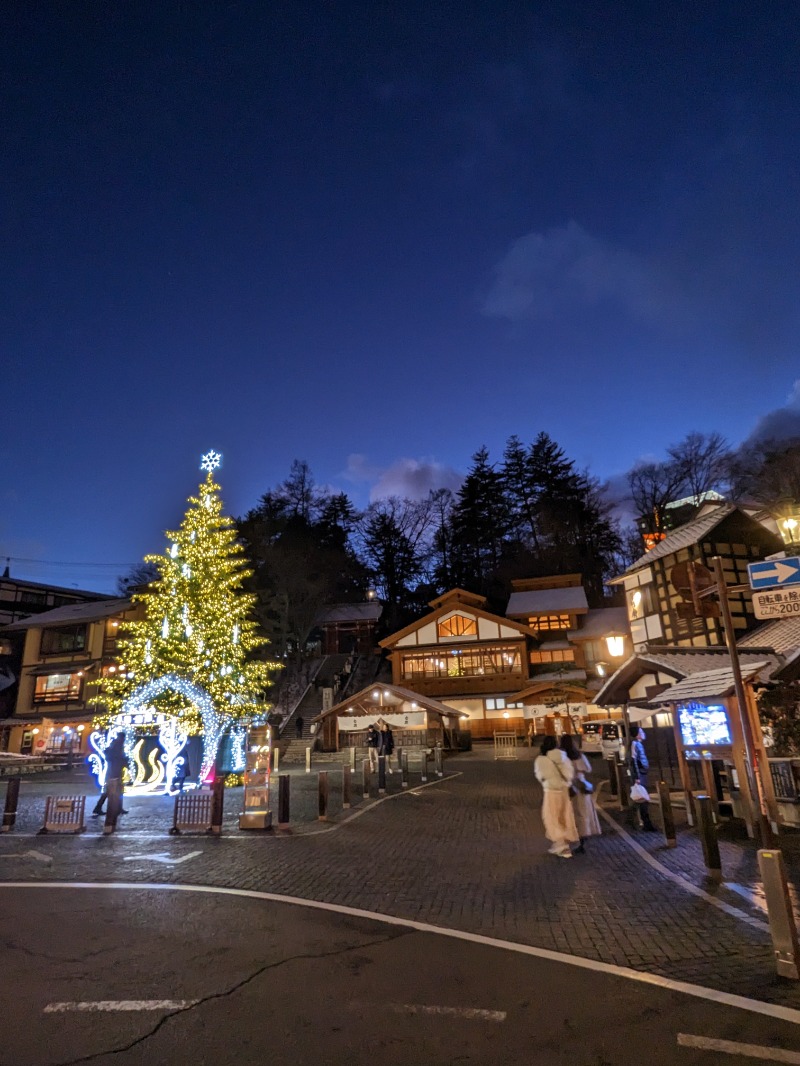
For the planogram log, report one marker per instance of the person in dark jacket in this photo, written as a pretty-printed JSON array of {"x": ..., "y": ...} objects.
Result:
[
  {"x": 298, "y": 724},
  {"x": 373, "y": 746},
  {"x": 387, "y": 744},
  {"x": 639, "y": 770},
  {"x": 116, "y": 761}
]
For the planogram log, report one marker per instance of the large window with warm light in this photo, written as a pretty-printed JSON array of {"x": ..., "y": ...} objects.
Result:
[
  {"x": 57, "y": 688},
  {"x": 560, "y": 655},
  {"x": 546, "y": 623},
  {"x": 458, "y": 662},
  {"x": 458, "y": 625},
  {"x": 63, "y": 640}
]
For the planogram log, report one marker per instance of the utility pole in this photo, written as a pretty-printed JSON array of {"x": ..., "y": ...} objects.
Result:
[{"x": 752, "y": 768}]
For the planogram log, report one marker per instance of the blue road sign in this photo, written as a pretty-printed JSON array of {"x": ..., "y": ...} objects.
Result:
[{"x": 774, "y": 573}]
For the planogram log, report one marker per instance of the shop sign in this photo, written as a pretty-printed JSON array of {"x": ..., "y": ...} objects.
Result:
[{"x": 353, "y": 724}]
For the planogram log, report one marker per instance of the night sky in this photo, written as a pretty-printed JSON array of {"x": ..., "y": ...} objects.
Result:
[{"x": 376, "y": 236}]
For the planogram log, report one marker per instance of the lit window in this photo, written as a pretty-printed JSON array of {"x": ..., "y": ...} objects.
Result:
[
  {"x": 57, "y": 688},
  {"x": 458, "y": 625}
]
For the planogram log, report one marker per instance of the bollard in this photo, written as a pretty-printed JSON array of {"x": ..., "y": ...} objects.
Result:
[
  {"x": 708, "y": 836},
  {"x": 323, "y": 795},
  {"x": 113, "y": 804},
  {"x": 308, "y": 760},
  {"x": 782, "y": 926},
  {"x": 352, "y": 760},
  {"x": 623, "y": 790},
  {"x": 404, "y": 769},
  {"x": 667, "y": 817},
  {"x": 276, "y": 759},
  {"x": 437, "y": 760},
  {"x": 346, "y": 779},
  {"x": 217, "y": 802},
  {"x": 424, "y": 766},
  {"x": 381, "y": 774},
  {"x": 612, "y": 777},
  {"x": 365, "y": 778},
  {"x": 283, "y": 800},
  {"x": 12, "y": 800}
]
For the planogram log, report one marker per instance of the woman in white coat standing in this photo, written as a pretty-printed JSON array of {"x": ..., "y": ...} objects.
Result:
[
  {"x": 586, "y": 820},
  {"x": 554, "y": 772}
]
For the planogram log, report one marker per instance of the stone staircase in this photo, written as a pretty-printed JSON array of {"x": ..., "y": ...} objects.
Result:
[{"x": 293, "y": 745}]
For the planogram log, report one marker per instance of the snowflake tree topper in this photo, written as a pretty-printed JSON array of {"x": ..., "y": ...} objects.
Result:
[{"x": 210, "y": 461}]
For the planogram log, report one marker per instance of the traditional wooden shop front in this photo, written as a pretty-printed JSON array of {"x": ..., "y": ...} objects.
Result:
[{"x": 416, "y": 721}]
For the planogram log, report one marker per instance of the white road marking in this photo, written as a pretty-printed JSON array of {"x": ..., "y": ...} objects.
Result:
[
  {"x": 712, "y": 995},
  {"x": 457, "y": 1012},
  {"x": 38, "y": 855},
  {"x": 687, "y": 886},
  {"x": 162, "y": 856},
  {"x": 733, "y": 1047},
  {"x": 120, "y": 1005}
]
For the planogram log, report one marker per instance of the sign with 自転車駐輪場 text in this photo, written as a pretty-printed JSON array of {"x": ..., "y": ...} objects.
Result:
[{"x": 778, "y": 603}]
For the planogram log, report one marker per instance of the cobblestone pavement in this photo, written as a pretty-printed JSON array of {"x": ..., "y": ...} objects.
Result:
[{"x": 468, "y": 853}]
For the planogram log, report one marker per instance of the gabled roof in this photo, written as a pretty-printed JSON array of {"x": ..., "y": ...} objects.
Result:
[
  {"x": 709, "y": 684},
  {"x": 602, "y": 622},
  {"x": 684, "y": 536},
  {"x": 364, "y": 704},
  {"x": 73, "y": 612},
  {"x": 459, "y": 596},
  {"x": 57, "y": 590},
  {"x": 447, "y": 608},
  {"x": 350, "y": 612},
  {"x": 664, "y": 659},
  {"x": 783, "y": 635},
  {"x": 547, "y": 601}
]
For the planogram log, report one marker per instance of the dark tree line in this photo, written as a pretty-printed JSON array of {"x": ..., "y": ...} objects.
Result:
[{"x": 529, "y": 513}]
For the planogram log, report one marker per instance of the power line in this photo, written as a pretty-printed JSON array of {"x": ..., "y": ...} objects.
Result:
[{"x": 74, "y": 566}]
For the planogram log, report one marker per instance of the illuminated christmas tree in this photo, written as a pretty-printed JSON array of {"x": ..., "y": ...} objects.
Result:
[{"x": 197, "y": 632}]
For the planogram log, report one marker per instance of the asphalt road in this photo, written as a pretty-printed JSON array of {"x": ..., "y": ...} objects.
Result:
[{"x": 250, "y": 981}]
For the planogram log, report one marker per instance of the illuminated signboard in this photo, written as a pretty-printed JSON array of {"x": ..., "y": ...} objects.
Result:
[{"x": 704, "y": 725}]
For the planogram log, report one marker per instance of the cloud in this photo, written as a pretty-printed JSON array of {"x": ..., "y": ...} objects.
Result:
[
  {"x": 413, "y": 478},
  {"x": 549, "y": 273},
  {"x": 781, "y": 423}
]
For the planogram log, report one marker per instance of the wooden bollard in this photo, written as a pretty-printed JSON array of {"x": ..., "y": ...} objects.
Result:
[
  {"x": 217, "y": 804},
  {"x": 780, "y": 912},
  {"x": 276, "y": 759},
  {"x": 365, "y": 778},
  {"x": 437, "y": 760},
  {"x": 381, "y": 774},
  {"x": 352, "y": 760},
  {"x": 346, "y": 779},
  {"x": 708, "y": 836},
  {"x": 667, "y": 817},
  {"x": 308, "y": 760},
  {"x": 623, "y": 784},
  {"x": 113, "y": 804},
  {"x": 12, "y": 801},
  {"x": 283, "y": 800},
  {"x": 424, "y": 766},
  {"x": 323, "y": 795},
  {"x": 404, "y": 769}
]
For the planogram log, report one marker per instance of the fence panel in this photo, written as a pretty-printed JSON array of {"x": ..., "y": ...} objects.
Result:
[
  {"x": 192, "y": 811},
  {"x": 505, "y": 745},
  {"x": 64, "y": 814}
]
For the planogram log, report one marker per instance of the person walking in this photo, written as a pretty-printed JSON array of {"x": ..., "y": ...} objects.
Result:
[
  {"x": 373, "y": 746},
  {"x": 639, "y": 771},
  {"x": 298, "y": 724},
  {"x": 554, "y": 772},
  {"x": 586, "y": 821},
  {"x": 116, "y": 761},
  {"x": 387, "y": 744}
]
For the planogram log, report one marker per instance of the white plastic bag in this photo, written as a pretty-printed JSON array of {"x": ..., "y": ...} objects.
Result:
[{"x": 639, "y": 794}]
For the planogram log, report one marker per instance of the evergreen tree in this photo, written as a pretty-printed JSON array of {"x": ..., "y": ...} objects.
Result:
[
  {"x": 480, "y": 523},
  {"x": 198, "y": 627}
]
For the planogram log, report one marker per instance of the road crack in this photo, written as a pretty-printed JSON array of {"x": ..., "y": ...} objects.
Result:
[{"x": 396, "y": 934}]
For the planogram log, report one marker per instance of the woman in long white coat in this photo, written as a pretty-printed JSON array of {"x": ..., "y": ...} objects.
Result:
[
  {"x": 554, "y": 772},
  {"x": 586, "y": 820}
]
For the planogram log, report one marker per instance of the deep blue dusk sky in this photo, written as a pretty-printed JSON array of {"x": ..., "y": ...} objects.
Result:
[{"x": 379, "y": 235}]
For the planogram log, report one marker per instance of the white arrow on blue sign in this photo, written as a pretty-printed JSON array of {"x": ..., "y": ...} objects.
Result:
[{"x": 774, "y": 572}]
